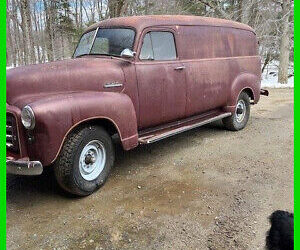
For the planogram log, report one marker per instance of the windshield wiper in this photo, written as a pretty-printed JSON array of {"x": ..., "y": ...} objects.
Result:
[
  {"x": 95, "y": 54},
  {"x": 108, "y": 55},
  {"x": 86, "y": 54}
]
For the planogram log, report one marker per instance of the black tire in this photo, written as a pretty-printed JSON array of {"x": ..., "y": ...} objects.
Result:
[
  {"x": 66, "y": 168},
  {"x": 232, "y": 122}
]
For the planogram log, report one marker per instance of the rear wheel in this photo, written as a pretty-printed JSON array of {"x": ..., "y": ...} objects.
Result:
[
  {"x": 239, "y": 119},
  {"x": 85, "y": 160}
]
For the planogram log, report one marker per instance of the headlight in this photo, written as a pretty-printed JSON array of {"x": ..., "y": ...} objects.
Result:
[{"x": 27, "y": 117}]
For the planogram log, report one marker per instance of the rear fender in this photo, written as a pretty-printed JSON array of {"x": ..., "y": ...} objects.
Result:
[
  {"x": 244, "y": 82},
  {"x": 57, "y": 116}
]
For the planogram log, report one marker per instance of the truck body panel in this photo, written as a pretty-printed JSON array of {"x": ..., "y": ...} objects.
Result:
[{"x": 215, "y": 60}]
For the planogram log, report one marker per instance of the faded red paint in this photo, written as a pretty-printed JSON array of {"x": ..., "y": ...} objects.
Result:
[{"x": 220, "y": 60}]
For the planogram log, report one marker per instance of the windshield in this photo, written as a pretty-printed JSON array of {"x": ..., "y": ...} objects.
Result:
[{"x": 110, "y": 41}]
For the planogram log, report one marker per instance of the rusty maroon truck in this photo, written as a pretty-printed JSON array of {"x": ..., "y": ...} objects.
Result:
[{"x": 142, "y": 78}]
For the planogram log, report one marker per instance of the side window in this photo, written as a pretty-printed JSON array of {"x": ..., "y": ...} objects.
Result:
[
  {"x": 147, "y": 50},
  {"x": 163, "y": 45},
  {"x": 158, "y": 45}
]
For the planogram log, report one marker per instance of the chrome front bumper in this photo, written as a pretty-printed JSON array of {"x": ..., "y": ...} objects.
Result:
[{"x": 23, "y": 167}]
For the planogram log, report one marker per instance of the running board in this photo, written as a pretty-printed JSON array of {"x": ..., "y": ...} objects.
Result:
[{"x": 167, "y": 132}]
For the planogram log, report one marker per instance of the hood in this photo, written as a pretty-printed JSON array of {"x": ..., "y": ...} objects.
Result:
[{"x": 29, "y": 83}]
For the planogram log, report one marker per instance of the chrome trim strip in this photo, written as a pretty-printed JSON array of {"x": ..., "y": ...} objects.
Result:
[
  {"x": 93, "y": 40},
  {"x": 112, "y": 85},
  {"x": 180, "y": 68}
]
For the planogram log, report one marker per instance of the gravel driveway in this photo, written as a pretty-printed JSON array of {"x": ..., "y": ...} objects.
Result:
[{"x": 205, "y": 189}]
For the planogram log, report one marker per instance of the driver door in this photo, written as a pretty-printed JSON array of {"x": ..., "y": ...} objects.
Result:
[{"x": 161, "y": 79}]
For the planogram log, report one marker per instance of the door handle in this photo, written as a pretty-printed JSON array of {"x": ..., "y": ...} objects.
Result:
[{"x": 180, "y": 68}]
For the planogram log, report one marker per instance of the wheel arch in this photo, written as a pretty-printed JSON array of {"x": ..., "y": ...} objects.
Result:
[
  {"x": 249, "y": 92},
  {"x": 108, "y": 124},
  {"x": 248, "y": 82}
]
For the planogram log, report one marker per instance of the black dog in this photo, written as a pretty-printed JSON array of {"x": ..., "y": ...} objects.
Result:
[{"x": 281, "y": 234}]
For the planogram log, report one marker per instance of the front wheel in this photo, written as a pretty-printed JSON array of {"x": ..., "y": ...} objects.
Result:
[
  {"x": 239, "y": 119},
  {"x": 85, "y": 160}
]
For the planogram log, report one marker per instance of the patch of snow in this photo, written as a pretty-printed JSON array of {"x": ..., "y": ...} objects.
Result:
[
  {"x": 269, "y": 78},
  {"x": 272, "y": 82}
]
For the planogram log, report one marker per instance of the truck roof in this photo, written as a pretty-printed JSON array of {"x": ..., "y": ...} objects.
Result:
[{"x": 141, "y": 22}]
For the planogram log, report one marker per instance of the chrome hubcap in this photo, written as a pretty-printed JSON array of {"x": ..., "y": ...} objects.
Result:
[
  {"x": 92, "y": 160},
  {"x": 240, "y": 111}
]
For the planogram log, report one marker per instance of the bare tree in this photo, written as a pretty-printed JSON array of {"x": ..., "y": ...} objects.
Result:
[
  {"x": 48, "y": 30},
  {"x": 285, "y": 43},
  {"x": 116, "y": 7},
  {"x": 28, "y": 21}
]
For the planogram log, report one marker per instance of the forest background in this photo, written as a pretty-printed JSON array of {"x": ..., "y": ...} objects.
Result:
[{"x": 39, "y": 31}]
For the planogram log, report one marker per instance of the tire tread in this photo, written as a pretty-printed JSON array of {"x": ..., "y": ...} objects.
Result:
[
  {"x": 63, "y": 165},
  {"x": 229, "y": 122}
]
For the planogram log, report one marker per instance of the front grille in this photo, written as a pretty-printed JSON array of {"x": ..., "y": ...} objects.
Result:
[{"x": 12, "y": 142}]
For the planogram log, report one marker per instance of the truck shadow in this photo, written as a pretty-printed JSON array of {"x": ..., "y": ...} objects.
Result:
[
  {"x": 176, "y": 142},
  {"x": 45, "y": 185}
]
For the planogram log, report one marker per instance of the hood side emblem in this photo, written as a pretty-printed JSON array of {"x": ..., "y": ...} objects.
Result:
[{"x": 112, "y": 85}]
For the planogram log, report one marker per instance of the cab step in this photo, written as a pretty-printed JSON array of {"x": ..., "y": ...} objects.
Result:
[{"x": 161, "y": 132}]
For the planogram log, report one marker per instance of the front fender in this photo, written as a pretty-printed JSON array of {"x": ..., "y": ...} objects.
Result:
[{"x": 57, "y": 116}]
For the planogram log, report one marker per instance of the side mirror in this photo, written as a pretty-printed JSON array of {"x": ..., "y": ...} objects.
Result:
[{"x": 127, "y": 53}]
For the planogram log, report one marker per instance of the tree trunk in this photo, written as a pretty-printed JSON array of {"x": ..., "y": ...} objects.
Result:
[
  {"x": 80, "y": 14},
  {"x": 48, "y": 39},
  {"x": 146, "y": 7},
  {"x": 41, "y": 27},
  {"x": 26, "y": 25},
  {"x": 13, "y": 51},
  {"x": 243, "y": 11},
  {"x": 18, "y": 41},
  {"x": 266, "y": 62},
  {"x": 25, "y": 39},
  {"x": 62, "y": 47},
  {"x": 37, "y": 35},
  {"x": 29, "y": 36},
  {"x": 53, "y": 27},
  {"x": 284, "y": 44},
  {"x": 76, "y": 14},
  {"x": 100, "y": 9},
  {"x": 253, "y": 13},
  {"x": 115, "y": 7}
]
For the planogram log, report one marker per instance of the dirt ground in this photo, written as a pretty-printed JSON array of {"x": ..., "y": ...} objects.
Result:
[{"x": 205, "y": 189}]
